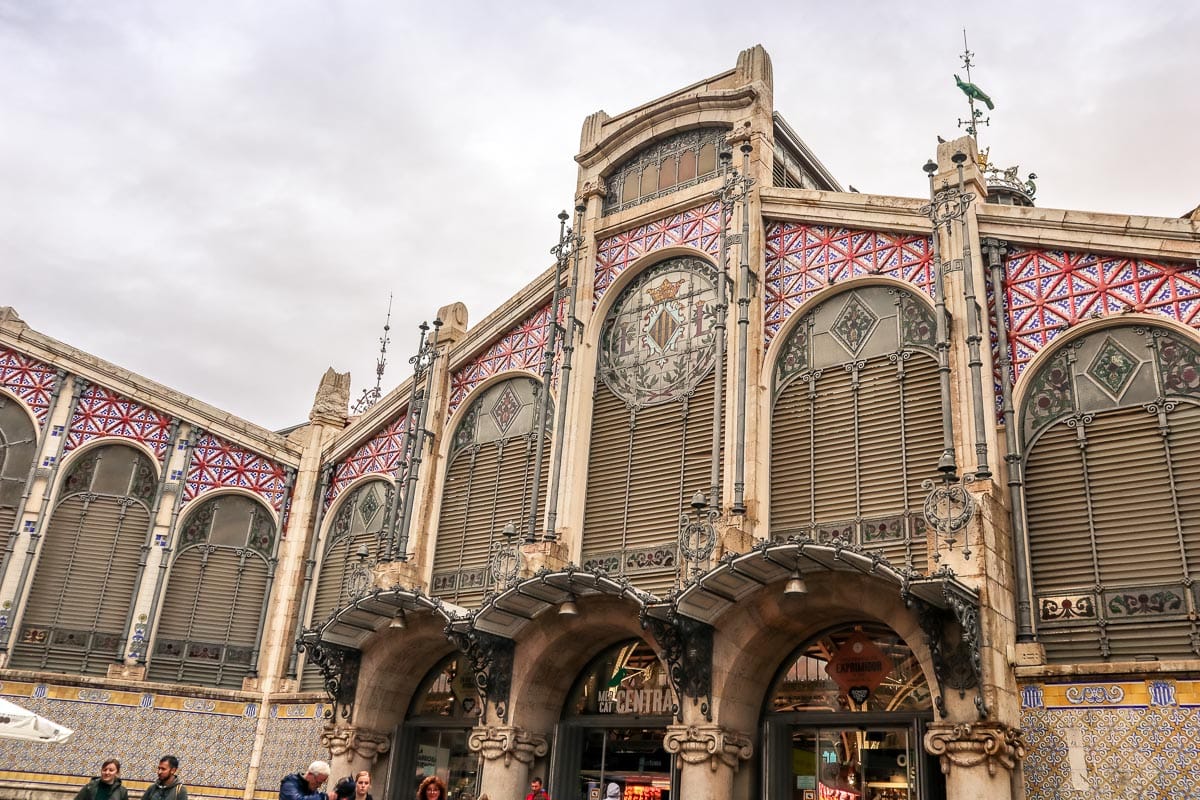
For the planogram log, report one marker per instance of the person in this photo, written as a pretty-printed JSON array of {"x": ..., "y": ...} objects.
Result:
[
  {"x": 357, "y": 787},
  {"x": 432, "y": 788},
  {"x": 307, "y": 786},
  {"x": 536, "y": 792},
  {"x": 107, "y": 786},
  {"x": 613, "y": 792},
  {"x": 168, "y": 786}
]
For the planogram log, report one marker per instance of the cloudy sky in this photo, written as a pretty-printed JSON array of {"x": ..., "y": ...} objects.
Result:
[{"x": 220, "y": 196}]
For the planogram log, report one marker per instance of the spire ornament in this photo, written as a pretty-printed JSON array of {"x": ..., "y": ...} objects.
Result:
[{"x": 372, "y": 395}]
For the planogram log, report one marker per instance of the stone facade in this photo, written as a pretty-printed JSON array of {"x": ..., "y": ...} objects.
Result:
[{"x": 864, "y": 490}]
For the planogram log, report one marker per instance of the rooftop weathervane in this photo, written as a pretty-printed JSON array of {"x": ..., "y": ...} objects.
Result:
[
  {"x": 973, "y": 93},
  {"x": 371, "y": 395}
]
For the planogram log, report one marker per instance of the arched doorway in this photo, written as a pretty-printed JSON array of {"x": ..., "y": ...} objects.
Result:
[
  {"x": 844, "y": 720},
  {"x": 613, "y": 726},
  {"x": 433, "y": 738}
]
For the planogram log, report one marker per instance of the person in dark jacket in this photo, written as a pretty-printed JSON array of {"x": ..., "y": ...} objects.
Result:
[
  {"x": 168, "y": 785},
  {"x": 358, "y": 787},
  {"x": 107, "y": 786},
  {"x": 307, "y": 785}
]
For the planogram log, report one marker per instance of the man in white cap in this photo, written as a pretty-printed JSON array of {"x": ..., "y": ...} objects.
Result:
[{"x": 306, "y": 786}]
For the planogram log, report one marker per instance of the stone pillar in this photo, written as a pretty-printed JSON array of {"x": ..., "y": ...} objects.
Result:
[
  {"x": 354, "y": 749},
  {"x": 507, "y": 753},
  {"x": 978, "y": 759},
  {"x": 707, "y": 756}
]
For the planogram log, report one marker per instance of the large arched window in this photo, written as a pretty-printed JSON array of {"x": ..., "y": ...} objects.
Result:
[
  {"x": 652, "y": 417},
  {"x": 18, "y": 448},
  {"x": 1110, "y": 427},
  {"x": 79, "y": 602},
  {"x": 856, "y": 424},
  {"x": 666, "y": 166},
  {"x": 489, "y": 483},
  {"x": 213, "y": 609},
  {"x": 353, "y": 544}
]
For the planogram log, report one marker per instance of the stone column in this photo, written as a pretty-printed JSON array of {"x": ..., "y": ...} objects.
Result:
[
  {"x": 507, "y": 753},
  {"x": 707, "y": 756},
  {"x": 978, "y": 759},
  {"x": 354, "y": 749}
]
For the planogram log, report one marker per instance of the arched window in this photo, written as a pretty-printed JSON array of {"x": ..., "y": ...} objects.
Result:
[
  {"x": 677, "y": 162},
  {"x": 652, "y": 416},
  {"x": 79, "y": 602},
  {"x": 856, "y": 424},
  {"x": 1110, "y": 427},
  {"x": 489, "y": 483},
  {"x": 213, "y": 609},
  {"x": 352, "y": 545},
  {"x": 433, "y": 738},
  {"x": 18, "y": 449}
]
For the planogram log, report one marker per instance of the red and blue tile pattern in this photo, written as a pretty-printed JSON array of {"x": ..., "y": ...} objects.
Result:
[
  {"x": 698, "y": 227},
  {"x": 379, "y": 454},
  {"x": 802, "y": 259},
  {"x": 218, "y": 464},
  {"x": 523, "y": 347},
  {"x": 29, "y": 379},
  {"x": 102, "y": 412},
  {"x": 1049, "y": 291}
]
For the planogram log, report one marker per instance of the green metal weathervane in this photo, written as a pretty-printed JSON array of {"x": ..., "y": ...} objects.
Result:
[{"x": 973, "y": 93}]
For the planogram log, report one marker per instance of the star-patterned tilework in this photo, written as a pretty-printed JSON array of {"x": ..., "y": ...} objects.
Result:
[
  {"x": 1048, "y": 291},
  {"x": 523, "y": 347},
  {"x": 29, "y": 379},
  {"x": 699, "y": 227},
  {"x": 802, "y": 259},
  {"x": 102, "y": 412},
  {"x": 379, "y": 454},
  {"x": 217, "y": 463}
]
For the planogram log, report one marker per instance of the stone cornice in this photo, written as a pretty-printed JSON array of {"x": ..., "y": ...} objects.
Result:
[{"x": 845, "y": 209}]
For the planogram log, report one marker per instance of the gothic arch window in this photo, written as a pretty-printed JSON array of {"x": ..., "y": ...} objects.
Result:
[
  {"x": 18, "y": 449},
  {"x": 78, "y": 606},
  {"x": 666, "y": 166},
  {"x": 652, "y": 413},
  {"x": 856, "y": 423},
  {"x": 1110, "y": 429},
  {"x": 489, "y": 484},
  {"x": 352, "y": 545},
  {"x": 214, "y": 604}
]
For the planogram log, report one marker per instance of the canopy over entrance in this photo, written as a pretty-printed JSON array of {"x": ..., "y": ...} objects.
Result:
[
  {"x": 511, "y": 610},
  {"x": 352, "y": 624}
]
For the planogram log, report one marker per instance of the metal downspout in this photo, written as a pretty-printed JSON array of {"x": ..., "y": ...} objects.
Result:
[
  {"x": 947, "y": 463},
  {"x": 392, "y": 521},
  {"x": 310, "y": 564},
  {"x": 725, "y": 196},
  {"x": 1013, "y": 458},
  {"x": 41, "y": 442},
  {"x": 80, "y": 386},
  {"x": 414, "y": 468},
  {"x": 568, "y": 349},
  {"x": 974, "y": 337},
  {"x": 739, "y": 478}
]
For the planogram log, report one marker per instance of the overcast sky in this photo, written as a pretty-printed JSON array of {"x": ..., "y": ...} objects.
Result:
[{"x": 220, "y": 196}]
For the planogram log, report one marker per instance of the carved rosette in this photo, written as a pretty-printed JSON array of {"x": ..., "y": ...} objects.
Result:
[
  {"x": 697, "y": 744},
  {"x": 970, "y": 744},
  {"x": 358, "y": 742},
  {"x": 507, "y": 742}
]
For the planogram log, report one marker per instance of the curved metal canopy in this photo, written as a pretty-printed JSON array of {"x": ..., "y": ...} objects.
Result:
[
  {"x": 506, "y": 613},
  {"x": 738, "y": 576},
  {"x": 352, "y": 624}
]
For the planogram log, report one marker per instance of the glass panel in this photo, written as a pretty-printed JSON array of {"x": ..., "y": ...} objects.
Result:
[
  {"x": 708, "y": 159},
  {"x": 687, "y": 165},
  {"x": 631, "y": 758},
  {"x": 649, "y": 180},
  {"x": 448, "y": 692},
  {"x": 629, "y": 188},
  {"x": 666, "y": 173},
  {"x": 445, "y": 753},
  {"x": 625, "y": 679},
  {"x": 853, "y": 764}
]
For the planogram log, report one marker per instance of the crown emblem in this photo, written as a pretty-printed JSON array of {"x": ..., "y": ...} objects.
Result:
[{"x": 667, "y": 290}]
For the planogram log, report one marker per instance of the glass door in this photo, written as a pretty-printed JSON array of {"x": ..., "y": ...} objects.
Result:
[{"x": 853, "y": 763}]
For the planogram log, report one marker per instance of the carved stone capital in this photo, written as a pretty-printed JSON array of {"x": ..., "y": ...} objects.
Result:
[
  {"x": 697, "y": 744},
  {"x": 507, "y": 742},
  {"x": 593, "y": 188},
  {"x": 359, "y": 742},
  {"x": 969, "y": 744}
]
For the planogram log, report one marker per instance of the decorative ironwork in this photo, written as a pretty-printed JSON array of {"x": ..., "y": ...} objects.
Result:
[
  {"x": 678, "y": 162},
  {"x": 687, "y": 646},
  {"x": 357, "y": 581},
  {"x": 504, "y": 559},
  {"x": 697, "y": 535},
  {"x": 954, "y": 637},
  {"x": 338, "y": 666},
  {"x": 372, "y": 395},
  {"x": 491, "y": 662},
  {"x": 948, "y": 508}
]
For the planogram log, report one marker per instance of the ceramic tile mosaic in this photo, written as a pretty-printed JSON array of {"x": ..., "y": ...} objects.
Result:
[
  {"x": 379, "y": 454},
  {"x": 29, "y": 379},
  {"x": 522, "y": 347},
  {"x": 217, "y": 463},
  {"x": 698, "y": 227},
  {"x": 292, "y": 741},
  {"x": 802, "y": 259},
  {"x": 102, "y": 412},
  {"x": 1112, "y": 740}
]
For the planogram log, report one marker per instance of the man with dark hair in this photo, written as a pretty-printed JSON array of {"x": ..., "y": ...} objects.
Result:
[
  {"x": 168, "y": 785},
  {"x": 536, "y": 792}
]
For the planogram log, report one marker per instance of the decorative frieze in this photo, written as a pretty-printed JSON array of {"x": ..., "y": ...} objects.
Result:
[
  {"x": 358, "y": 742},
  {"x": 711, "y": 744},
  {"x": 967, "y": 745},
  {"x": 507, "y": 742}
]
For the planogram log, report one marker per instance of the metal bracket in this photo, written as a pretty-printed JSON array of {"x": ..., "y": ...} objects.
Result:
[
  {"x": 954, "y": 637},
  {"x": 339, "y": 667},
  {"x": 491, "y": 659},
  {"x": 687, "y": 645}
]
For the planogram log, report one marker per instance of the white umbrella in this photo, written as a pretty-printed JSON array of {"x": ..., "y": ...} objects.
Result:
[{"x": 17, "y": 723}]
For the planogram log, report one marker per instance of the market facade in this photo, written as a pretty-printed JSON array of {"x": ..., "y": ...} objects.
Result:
[{"x": 763, "y": 489}]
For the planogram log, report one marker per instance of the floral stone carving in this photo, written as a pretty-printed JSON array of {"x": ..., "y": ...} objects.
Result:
[
  {"x": 697, "y": 744},
  {"x": 971, "y": 744},
  {"x": 507, "y": 742}
]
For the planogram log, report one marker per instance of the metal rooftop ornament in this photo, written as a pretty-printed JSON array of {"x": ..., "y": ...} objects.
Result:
[
  {"x": 372, "y": 395},
  {"x": 697, "y": 535}
]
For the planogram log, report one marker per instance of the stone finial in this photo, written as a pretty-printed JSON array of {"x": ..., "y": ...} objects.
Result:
[
  {"x": 967, "y": 745},
  {"x": 9, "y": 316},
  {"x": 507, "y": 742},
  {"x": 358, "y": 742},
  {"x": 333, "y": 398},
  {"x": 1194, "y": 214},
  {"x": 697, "y": 744},
  {"x": 454, "y": 323},
  {"x": 593, "y": 127},
  {"x": 754, "y": 64}
]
